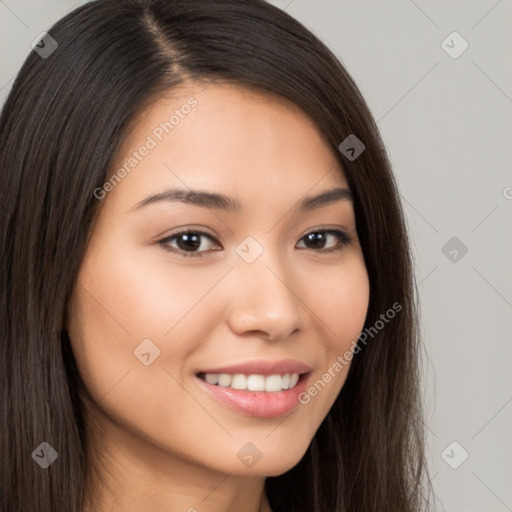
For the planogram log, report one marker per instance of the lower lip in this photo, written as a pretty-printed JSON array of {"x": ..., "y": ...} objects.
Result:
[{"x": 261, "y": 404}]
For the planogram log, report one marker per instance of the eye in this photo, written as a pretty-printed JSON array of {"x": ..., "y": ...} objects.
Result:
[
  {"x": 188, "y": 242},
  {"x": 194, "y": 242},
  {"x": 318, "y": 240}
]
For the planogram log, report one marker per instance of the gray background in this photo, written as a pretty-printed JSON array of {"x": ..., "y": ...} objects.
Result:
[{"x": 446, "y": 122}]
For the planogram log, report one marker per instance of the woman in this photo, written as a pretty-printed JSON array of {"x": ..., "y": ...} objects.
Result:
[{"x": 207, "y": 292}]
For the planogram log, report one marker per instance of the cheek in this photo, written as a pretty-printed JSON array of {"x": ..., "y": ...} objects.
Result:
[
  {"x": 133, "y": 298},
  {"x": 117, "y": 303},
  {"x": 121, "y": 301},
  {"x": 341, "y": 306}
]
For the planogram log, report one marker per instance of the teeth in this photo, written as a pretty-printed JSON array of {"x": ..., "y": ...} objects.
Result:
[
  {"x": 256, "y": 383},
  {"x": 239, "y": 381},
  {"x": 224, "y": 380},
  {"x": 270, "y": 383},
  {"x": 212, "y": 378}
]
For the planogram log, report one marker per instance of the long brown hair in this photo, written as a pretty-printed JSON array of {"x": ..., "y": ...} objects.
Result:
[{"x": 62, "y": 123}]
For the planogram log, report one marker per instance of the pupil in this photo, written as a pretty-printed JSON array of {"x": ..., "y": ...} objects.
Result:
[
  {"x": 193, "y": 241},
  {"x": 317, "y": 239}
]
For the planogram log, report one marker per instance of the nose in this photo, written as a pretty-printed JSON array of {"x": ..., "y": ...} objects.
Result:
[{"x": 264, "y": 300}]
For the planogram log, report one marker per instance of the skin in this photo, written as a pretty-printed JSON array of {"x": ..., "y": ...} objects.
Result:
[{"x": 168, "y": 445}]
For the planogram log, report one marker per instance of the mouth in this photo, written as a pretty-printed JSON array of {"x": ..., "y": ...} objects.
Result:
[{"x": 253, "y": 394}]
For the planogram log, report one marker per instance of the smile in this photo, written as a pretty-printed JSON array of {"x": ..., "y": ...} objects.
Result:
[{"x": 252, "y": 382}]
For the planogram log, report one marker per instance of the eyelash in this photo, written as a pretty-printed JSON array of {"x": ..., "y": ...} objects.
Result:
[{"x": 343, "y": 237}]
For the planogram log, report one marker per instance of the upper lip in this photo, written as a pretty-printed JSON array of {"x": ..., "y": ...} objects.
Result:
[{"x": 262, "y": 367}]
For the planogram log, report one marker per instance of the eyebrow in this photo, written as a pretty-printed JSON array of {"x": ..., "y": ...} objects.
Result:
[{"x": 222, "y": 202}]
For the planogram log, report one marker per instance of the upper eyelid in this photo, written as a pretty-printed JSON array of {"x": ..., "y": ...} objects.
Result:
[{"x": 190, "y": 230}]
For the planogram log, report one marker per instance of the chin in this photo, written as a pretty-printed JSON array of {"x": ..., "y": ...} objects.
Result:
[{"x": 275, "y": 463}]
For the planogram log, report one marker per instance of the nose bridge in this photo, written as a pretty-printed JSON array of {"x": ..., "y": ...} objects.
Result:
[{"x": 264, "y": 299}]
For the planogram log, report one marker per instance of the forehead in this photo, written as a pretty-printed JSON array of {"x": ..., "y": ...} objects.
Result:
[{"x": 226, "y": 138}]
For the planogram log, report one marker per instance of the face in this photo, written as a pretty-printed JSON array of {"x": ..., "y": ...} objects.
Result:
[{"x": 201, "y": 324}]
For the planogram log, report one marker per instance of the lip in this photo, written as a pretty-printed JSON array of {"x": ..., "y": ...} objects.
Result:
[
  {"x": 261, "y": 404},
  {"x": 262, "y": 367}
]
